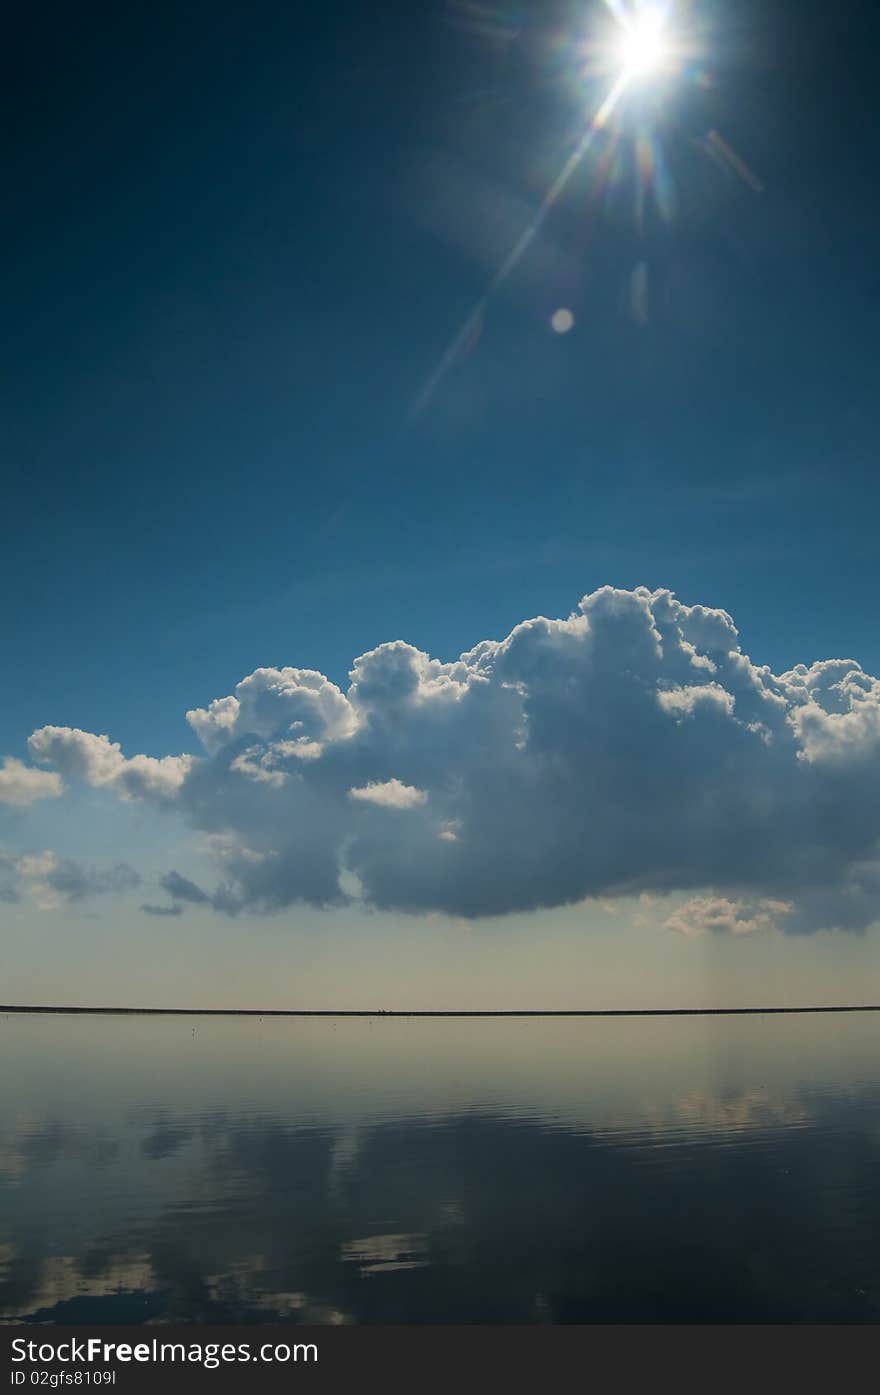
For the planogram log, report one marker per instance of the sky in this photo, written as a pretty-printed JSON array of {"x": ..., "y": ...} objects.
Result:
[{"x": 344, "y": 341}]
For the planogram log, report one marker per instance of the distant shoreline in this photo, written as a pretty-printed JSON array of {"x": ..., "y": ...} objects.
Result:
[{"x": 427, "y": 1012}]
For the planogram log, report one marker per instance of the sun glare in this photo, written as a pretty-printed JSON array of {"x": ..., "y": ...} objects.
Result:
[{"x": 642, "y": 46}]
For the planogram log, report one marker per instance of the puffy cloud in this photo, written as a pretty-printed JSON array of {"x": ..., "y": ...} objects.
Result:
[
  {"x": 719, "y": 913},
  {"x": 683, "y": 702},
  {"x": 629, "y": 747},
  {"x": 838, "y": 721},
  {"x": 22, "y": 784},
  {"x": 99, "y": 761},
  {"x": 300, "y": 702},
  {"x": 389, "y": 794}
]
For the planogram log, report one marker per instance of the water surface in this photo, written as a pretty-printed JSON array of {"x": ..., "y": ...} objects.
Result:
[{"x": 413, "y": 1170}]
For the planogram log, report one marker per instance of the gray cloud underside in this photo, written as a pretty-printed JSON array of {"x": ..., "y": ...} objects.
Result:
[
  {"x": 630, "y": 747},
  {"x": 182, "y": 889}
]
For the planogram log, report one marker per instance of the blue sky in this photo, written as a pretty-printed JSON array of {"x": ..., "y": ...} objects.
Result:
[{"x": 242, "y": 241}]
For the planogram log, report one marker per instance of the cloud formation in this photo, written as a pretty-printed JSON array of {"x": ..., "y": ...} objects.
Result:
[
  {"x": 23, "y": 784},
  {"x": 718, "y": 913},
  {"x": 53, "y": 880},
  {"x": 99, "y": 761},
  {"x": 390, "y": 794},
  {"x": 630, "y": 747},
  {"x": 182, "y": 889}
]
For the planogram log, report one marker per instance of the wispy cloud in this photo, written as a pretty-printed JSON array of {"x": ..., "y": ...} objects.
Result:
[{"x": 53, "y": 880}]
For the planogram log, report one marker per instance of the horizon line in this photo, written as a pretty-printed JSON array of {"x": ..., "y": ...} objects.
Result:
[{"x": 431, "y": 1012}]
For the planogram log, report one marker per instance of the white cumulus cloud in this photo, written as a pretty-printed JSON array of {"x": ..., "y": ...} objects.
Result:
[
  {"x": 629, "y": 747},
  {"x": 100, "y": 761}
]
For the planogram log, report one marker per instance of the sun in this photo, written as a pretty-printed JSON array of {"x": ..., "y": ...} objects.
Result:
[{"x": 643, "y": 47}]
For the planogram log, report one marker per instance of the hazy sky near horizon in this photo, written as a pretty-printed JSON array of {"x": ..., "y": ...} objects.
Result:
[{"x": 287, "y": 497}]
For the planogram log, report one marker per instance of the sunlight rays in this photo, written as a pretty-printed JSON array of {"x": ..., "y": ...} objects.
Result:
[{"x": 641, "y": 48}]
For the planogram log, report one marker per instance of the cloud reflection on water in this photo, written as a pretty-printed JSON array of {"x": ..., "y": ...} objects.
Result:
[{"x": 666, "y": 1172}]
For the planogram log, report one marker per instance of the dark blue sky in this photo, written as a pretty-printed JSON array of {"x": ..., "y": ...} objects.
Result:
[{"x": 240, "y": 238}]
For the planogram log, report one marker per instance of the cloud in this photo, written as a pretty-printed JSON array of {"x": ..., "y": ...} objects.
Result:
[
  {"x": 22, "y": 784},
  {"x": 75, "y": 882},
  {"x": 99, "y": 761},
  {"x": 184, "y": 892},
  {"x": 719, "y": 913},
  {"x": 298, "y": 701},
  {"x": 390, "y": 794},
  {"x": 52, "y": 879},
  {"x": 182, "y": 889},
  {"x": 629, "y": 747}
]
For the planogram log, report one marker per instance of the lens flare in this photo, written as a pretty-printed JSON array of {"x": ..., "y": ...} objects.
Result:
[{"x": 613, "y": 70}]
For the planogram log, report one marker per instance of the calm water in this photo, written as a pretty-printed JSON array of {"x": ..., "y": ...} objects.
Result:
[{"x": 237, "y": 1170}]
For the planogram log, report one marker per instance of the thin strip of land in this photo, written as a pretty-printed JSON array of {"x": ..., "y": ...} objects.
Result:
[{"x": 429, "y": 1012}]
